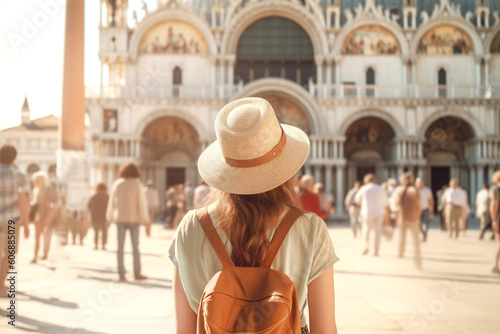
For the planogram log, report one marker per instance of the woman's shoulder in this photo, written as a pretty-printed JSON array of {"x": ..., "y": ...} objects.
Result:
[
  {"x": 309, "y": 222},
  {"x": 190, "y": 226}
]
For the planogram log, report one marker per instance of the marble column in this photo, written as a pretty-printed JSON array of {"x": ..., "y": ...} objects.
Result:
[
  {"x": 110, "y": 176},
  {"x": 328, "y": 179},
  {"x": 319, "y": 77},
  {"x": 480, "y": 178},
  {"x": 137, "y": 148},
  {"x": 317, "y": 174},
  {"x": 339, "y": 196},
  {"x": 71, "y": 158},
  {"x": 314, "y": 148},
  {"x": 328, "y": 79},
  {"x": 308, "y": 169},
  {"x": 474, "y": 179}
]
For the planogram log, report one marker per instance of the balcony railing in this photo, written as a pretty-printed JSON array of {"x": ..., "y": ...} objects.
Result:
[
  {"x": 346, "y": 91},
  {"x": 349, "y": 91},
  {"x": 162, "y": 92}
]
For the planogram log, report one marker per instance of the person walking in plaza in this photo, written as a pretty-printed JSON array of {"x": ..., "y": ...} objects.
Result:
[
  {"x": 250, "y": 169},
  {"x": 97, "y": 206},
  {"x": 128, "y": 209},
  {"x": 392, "y": 184},
  {"x": 454, "y": 200},
  {"x": 483, "y": 209},
  {"x": 180, "y": 202},
  {"x": 189, "y": 191},
  {"x": 407, "y": 198},
  {"x": 440, "y": 207},
  {"x": 353, "y": 209},
  {"x": 170, "y": 206},
  {"x": 326, "y": 200},
  {"x": 427, "y": 206},
  {"x": 495, "y": 215},
  {"x": 310, "y": 200},
  {"x": 78, "y": 226},
  {"x": 44, "y": 197},
  {"x": 200, "y": 194},
  {"x": 14, "y": 207},
  {"x": 374, "y": 211},
  {"x": 153, "y": 201}
]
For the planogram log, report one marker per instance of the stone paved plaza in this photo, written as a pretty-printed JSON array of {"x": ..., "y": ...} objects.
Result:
[{"x": 76, "y": 290}]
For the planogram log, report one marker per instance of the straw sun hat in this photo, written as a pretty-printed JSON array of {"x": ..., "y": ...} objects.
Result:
[{"x": 253, "y": 153}]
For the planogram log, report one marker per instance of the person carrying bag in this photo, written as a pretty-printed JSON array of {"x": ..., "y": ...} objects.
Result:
[{"x": 251, "y": 261}]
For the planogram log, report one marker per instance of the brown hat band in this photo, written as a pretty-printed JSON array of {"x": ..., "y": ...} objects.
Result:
[{"x": 276, "y": 150}]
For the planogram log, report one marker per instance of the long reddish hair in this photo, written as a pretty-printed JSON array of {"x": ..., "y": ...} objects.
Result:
[{"x": 245, "y": 219}]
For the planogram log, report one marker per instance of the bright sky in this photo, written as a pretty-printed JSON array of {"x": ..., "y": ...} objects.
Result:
[{"x": 31, "y": 54}]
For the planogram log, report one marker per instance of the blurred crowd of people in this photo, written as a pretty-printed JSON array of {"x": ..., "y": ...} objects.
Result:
[
  {"x": 410, "y": 206},
  {"x": 373, "y": 209}
]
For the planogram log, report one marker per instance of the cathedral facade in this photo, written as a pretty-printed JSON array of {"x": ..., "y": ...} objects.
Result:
[{"x": 379, "y": 86}]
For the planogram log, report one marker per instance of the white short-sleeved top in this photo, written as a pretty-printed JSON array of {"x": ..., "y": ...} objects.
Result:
[{"x": 306, "y": 253}]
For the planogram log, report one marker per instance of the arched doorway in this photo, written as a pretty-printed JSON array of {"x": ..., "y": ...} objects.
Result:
[
  {"x": 368, "y": 148},
  {"x": 275, "y": 47},
  {"x": 445, "y": 150},
  {"x": 170, "y": 149},
  {"x": 288, "y": 112}
]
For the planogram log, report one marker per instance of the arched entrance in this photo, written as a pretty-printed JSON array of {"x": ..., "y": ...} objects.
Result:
[
  {"x": 368, "y": 148},
  {"x": 288, "y": 112},
  {"x": 446, "y": 151},
  {"x": 170, "y": 149},
  {"x": 285, "y": 52}
]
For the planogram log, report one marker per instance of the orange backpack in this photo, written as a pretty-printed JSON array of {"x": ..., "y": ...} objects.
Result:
[{"x": 249, "y": 299}]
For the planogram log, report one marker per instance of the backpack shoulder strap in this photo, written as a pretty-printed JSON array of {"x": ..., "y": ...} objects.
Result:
[
  {"x": 280, "y": 234},
  {"x": 214, "y": 237}
]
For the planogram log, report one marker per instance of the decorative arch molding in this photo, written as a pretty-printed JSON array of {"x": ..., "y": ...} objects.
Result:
[
  {"x": 291, "y": 91},
  {"x": 456, "y": 22},
  {"x": 193, "y": 121},
  {"x": 460, "y": 114},
  {"x": 392, "y": 27},
  {"x": 378, "y": 113},
  {"x": 161, "y": 16},
  {"x": 490, "y": 38},
  {"x": 256, "y": 11}
]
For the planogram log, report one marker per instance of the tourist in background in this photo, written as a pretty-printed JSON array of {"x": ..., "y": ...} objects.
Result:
[
  {"x": 427, "y": 206},
  {"x": 189, "y": 191},
  {"x": 44, "y": 200},
  {"x": 326, "y": 200},
  {"x": 353, "y": 209},
  {"x": 13, "y": 206},
  {"x": 78, "y": 225},
  {"x": 180, "y": 202},
  {"x": 97, "y": 206},
  {"x": 153, "y": 201},
  {"x": 454, "y": 200},
  {"x": 170, "y": 205},
  {"x": 127, "y": 207},
  {"x": 495, "y": 215},
  {"x": 483, "y": 209},
  {"x": 407, "y": 198},
  {"x": 374, "y": 210},
  {"x": 200, "y": 194},
  {"x": 310, "y": 200},
  {"x": 440, "y": 207},
  {"x": 392, "y": 183}
]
